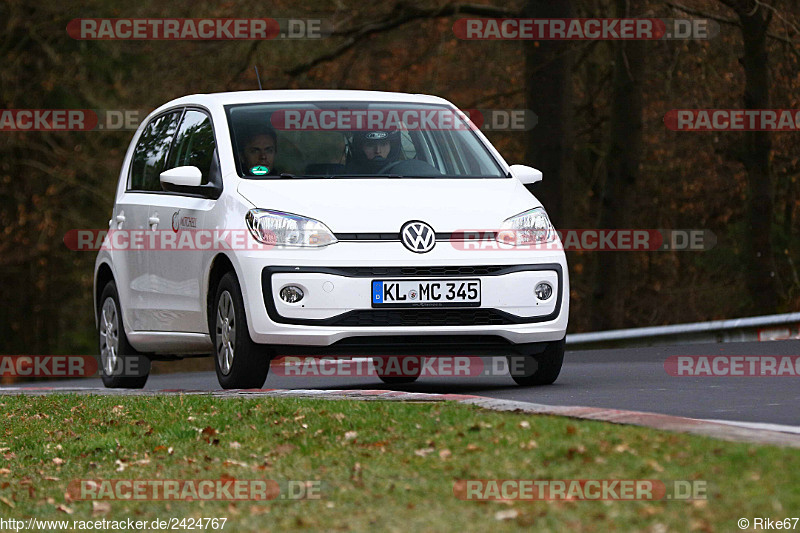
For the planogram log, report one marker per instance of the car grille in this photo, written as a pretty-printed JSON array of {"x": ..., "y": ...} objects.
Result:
[
  {"x": 423, "y": 271},
  {"x": 422, "y": 317}
]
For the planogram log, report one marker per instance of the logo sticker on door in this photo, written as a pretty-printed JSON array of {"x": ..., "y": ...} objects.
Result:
[{"x": 179, "y": 222}]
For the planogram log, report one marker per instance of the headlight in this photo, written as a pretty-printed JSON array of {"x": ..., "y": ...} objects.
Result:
[
  {"x": 285, "y": 229},
  {"x": 530, "y": 227}
]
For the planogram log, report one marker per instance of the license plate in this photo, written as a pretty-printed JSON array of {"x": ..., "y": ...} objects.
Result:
[{"x": 426, "y": 293}]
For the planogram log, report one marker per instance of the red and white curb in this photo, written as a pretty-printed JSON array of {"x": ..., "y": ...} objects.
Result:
[{"x": 719, "y": 429}]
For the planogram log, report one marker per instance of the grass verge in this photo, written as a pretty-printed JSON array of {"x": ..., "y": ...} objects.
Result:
[{"x": 385, "y": 465}]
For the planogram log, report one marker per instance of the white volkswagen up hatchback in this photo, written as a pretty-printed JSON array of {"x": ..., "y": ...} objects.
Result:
[{"x": 264, "y": 223}]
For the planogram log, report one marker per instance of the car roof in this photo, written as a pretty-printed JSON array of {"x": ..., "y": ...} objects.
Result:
[{"x": 304, "y": 95}]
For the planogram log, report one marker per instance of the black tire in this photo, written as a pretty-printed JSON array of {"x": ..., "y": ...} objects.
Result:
[
  {"x": 540, "y": 369},
  {"x": 121, "y": 366},
  {"x": 401, "y": 379},
  {"x": 240, "y": 363}
]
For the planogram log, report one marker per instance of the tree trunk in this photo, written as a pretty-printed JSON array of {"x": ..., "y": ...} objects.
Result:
[
  {"x": 622, "y": 171},
  {"x": 548, "y": 69},
  {"x": 761, "y": 282}
]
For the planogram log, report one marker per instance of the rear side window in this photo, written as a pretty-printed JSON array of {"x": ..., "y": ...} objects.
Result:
[
  {"x": 194, "y": 143},
  {"x": 150, "y": 155}
]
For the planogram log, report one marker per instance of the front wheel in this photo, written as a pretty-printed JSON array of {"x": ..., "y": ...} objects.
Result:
[
  {"x": 539, "y": 369},
  {"x": 240, "y": 363},
  {"x": 121, "y": 366}
]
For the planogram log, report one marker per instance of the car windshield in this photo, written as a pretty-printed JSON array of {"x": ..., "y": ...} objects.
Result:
[{"x": 356, "y": 140}]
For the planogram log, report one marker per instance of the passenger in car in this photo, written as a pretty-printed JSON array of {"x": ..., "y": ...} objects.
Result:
[{"x": 259, "y": 151}]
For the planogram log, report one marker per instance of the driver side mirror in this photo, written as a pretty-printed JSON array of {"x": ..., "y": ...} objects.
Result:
[{"x": 525, "y": 174}]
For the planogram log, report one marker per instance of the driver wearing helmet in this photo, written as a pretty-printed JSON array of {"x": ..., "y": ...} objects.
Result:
[{"x": 371, "y": 151}]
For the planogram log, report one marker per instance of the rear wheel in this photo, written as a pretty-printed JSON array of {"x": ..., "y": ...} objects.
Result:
[
  {"x": 121, "y": 367},
  {"x": 240, "y": 363},
  {"x": 540, "y": 369}
]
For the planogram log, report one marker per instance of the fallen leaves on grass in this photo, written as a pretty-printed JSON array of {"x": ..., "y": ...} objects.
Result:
[
  {"x": 64, "y": 509},
  {"x": 100, "y": 508},
  {"x": 509, "y": 514},
  {"x": 422, "y": 452},
  {"x": 282, "y": 449},
  {"x": 357, "y": 475}
]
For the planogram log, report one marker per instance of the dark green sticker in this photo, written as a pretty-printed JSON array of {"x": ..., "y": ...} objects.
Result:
[{"x": 259, "y": 170}]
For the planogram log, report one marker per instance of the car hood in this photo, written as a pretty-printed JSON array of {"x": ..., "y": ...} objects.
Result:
[{"x": 383, "y": 205}]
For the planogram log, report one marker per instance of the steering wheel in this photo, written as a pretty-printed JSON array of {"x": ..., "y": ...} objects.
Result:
[
  {"x": 410, "y": 167},
  {"x": 390, "y": 166}
]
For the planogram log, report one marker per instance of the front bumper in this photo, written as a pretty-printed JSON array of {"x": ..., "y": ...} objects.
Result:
[{"x": 337, "y": 305}]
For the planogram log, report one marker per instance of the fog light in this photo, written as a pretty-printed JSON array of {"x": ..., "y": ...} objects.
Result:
[
  {"x": 543, "y": 291},
  {"x": 291, "y": 294}
]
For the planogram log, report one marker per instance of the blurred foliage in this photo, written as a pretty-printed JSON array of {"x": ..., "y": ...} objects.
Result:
[{"x": 51, "y": 182}]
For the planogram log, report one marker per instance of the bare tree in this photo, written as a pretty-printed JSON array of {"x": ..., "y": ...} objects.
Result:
[
  {"x": 754, "y": 18},
  {"x": 623, "y": 155},
  {"x": 548, "y": 70}
]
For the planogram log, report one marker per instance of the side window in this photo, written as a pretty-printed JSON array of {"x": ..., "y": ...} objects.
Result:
[
  {"x": 151, "y": 152},
  {"x": 194, "y": 143}
]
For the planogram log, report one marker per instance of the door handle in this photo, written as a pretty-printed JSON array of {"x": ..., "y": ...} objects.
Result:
[
  {"x": 120, "y": 218},
  {"x": 153, "y": 221}
]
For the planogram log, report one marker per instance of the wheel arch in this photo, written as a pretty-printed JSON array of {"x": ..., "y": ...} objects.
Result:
[
  {"x": 220, "y": 266},
  {"x": 102, "y": 277}
]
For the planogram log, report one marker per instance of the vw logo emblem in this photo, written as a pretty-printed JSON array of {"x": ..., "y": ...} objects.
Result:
[{"x": 418, "y": 237}]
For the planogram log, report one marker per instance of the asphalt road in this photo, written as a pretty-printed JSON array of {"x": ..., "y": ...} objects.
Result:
[{"x": 633, "y": 379}]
